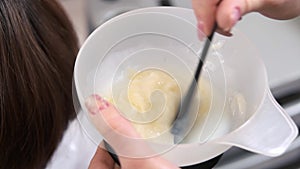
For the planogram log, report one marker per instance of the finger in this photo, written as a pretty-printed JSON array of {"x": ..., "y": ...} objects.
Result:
[
  {"x": 102, "y": 159},
  {"x": 149, "y": 163},
  {"x": 229, "y": 12},
  {"x": 107, "y": 118},
  {"x": 205, "y": 11},
  {"x": 116, "y": 130},
  {"x": 114, "y": 127},
  {"x": 117, "y": 166},
  {"x": 221, "y": 31},
  {"x": 280, "y": 9}
]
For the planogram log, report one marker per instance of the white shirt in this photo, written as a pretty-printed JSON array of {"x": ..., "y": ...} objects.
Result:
[{"x": 76, "y": 148}]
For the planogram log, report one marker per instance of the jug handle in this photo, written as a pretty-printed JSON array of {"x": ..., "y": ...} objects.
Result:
[{"x": 262, "y": 135}]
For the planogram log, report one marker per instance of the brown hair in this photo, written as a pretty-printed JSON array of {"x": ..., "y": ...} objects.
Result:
[{"x": 38, "y": 47}]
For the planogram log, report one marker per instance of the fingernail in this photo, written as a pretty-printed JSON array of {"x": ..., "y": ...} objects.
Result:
[
  {"x": 236, "y": 15},
  {"x": 200, "y": 27},
  {"x": 96, "y": 103}
]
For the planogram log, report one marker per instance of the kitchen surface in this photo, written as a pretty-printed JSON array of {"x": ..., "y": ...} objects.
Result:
[{"x": 277, "y": 41}]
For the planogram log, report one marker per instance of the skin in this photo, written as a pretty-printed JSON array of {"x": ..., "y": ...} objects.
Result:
[
  {"x": 228, "y": 12},
  {"x": 113, "y": 128},
  {"x": 103, "y": 160}
]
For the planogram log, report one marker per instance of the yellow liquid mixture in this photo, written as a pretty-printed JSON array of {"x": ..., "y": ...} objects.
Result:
[{"x": 155, "y": 95}]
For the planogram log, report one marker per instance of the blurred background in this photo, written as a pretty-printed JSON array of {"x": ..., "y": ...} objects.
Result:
[{"x": 277, "y": 41}]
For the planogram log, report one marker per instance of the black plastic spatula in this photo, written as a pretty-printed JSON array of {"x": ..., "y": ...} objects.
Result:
[{"x": 184, "y": 118}]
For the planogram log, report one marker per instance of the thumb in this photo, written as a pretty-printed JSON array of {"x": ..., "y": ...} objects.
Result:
[
  {"x": 115, "y": 129},
  {"x": 122, "y": 136},
  {"x": 107, "y": 118}
]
